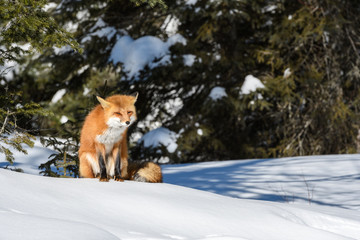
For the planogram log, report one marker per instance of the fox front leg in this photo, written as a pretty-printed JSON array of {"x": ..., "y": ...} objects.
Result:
[
  {"x": 117, "y": 176},
  {"x": 103, "y": 174}
]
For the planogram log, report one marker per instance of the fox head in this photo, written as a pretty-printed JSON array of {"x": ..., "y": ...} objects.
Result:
[{"x": 119, "y": 110}]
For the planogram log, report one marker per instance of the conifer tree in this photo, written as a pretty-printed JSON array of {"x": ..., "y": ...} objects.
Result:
[
  {"x": 222, "y": 37},
  {"x": 305, "y": 52},
  {"x": 314, "y": 110},
  {"x": 77, "y": 75},
  {"x": 22, "y": 23}
]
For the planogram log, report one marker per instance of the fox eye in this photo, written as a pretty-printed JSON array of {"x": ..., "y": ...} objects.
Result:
[
  {"x": 129, "y": 112},
  {"x": 117, "y": 113}
]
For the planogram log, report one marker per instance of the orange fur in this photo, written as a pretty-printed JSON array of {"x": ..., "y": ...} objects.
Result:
[
  {"x": 145, "y": 172},
  {"x": 103, "y": 138}
]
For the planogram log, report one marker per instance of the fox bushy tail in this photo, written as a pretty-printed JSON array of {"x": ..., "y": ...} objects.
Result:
[{"x": 145, "y": 172}]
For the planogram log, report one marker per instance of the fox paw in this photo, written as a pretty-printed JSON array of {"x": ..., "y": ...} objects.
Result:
[
  {"x": 104, "y": 179},
  {"x": 118, "y": 179}
]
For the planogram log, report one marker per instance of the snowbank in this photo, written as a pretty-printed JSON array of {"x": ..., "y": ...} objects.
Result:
[
  {"x": 34, "y": 207},
  {"x": 30, "y": 162},
  {"x": 331, "y": 180}
]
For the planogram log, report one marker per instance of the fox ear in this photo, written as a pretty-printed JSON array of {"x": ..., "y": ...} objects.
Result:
[
  {"x": 135, "y": 95},
  {"x": 103, "y": 103}
]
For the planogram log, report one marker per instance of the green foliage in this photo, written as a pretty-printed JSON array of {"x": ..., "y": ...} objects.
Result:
[
  {"x": 64, "y": 161},
  {"x": 12, "y": 113},
  {"x": 24, "y": 26},
  {"x": 152, "y": 3},
  {"x": 222, "y": 37},
  {"x": 25, "y": 22},
  {"x": 313, "y": 109}
]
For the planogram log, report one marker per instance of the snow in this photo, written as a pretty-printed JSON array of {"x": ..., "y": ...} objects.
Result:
[
  {"x": 58, "y": 95},
  {"x": 170, "y": 25},
  {"x": 86, "y": 91},
  {"x": 83, "y": 69},
  {"x": 204, "y": 201},
  {"x": 269, "y": 8},
  {"x": 172, "y": 106},
  {"x": 62, "y": 50},
  {"x": 64, "y": 119},
  {"x": 136, "y": 54},
  {"x": 287, "y": 73},
  {"x": 49, "y": 6},
  {"x": 71, "y": 26},
  {"x": 158, "y": 137},
  {"x": 251, "y": 84},
  {"x": 191, "y": 2},
  {"x": 7, "y": 70},
  {"x": 331, "y": 180},
  {"x": 189, "y": 59},
  {"x": 30, "y": 162},
  {"x": 10, "y": 67},
  {"x": 100, "y": 29},
  {"x": 217, "y": 93}
]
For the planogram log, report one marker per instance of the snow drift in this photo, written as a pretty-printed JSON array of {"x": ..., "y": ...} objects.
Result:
[{"x": 35, "y": 207}]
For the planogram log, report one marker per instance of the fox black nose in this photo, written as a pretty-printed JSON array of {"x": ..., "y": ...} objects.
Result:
[{"x": 127, "y": 122}]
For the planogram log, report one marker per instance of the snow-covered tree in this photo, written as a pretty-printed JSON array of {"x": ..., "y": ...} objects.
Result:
[
  {"x": 313, "y": 86},
  {"x": 216, "y": 79},
  {"x": 24, "y": 26}
]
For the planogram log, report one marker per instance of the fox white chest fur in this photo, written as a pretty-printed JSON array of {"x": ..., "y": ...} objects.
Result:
[
  {"x": 112, "y": 134},
  {"x": 110, "y": 137}
]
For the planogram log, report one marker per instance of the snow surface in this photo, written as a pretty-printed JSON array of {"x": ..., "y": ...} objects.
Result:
[
  {"x": 30, "y": 162},
  {"x": 36, "y": 207},
  {"x": 331, "y": 180}
]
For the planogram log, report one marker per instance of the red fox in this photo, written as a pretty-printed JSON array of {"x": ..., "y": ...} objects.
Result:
[{"x": 103, "y": 146}]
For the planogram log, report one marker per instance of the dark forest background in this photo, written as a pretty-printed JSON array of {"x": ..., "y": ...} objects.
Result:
[{"x": 314, "y": 109}]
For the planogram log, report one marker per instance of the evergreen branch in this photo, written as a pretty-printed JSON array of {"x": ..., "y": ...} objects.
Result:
[{"x": 352, "y": 42}]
